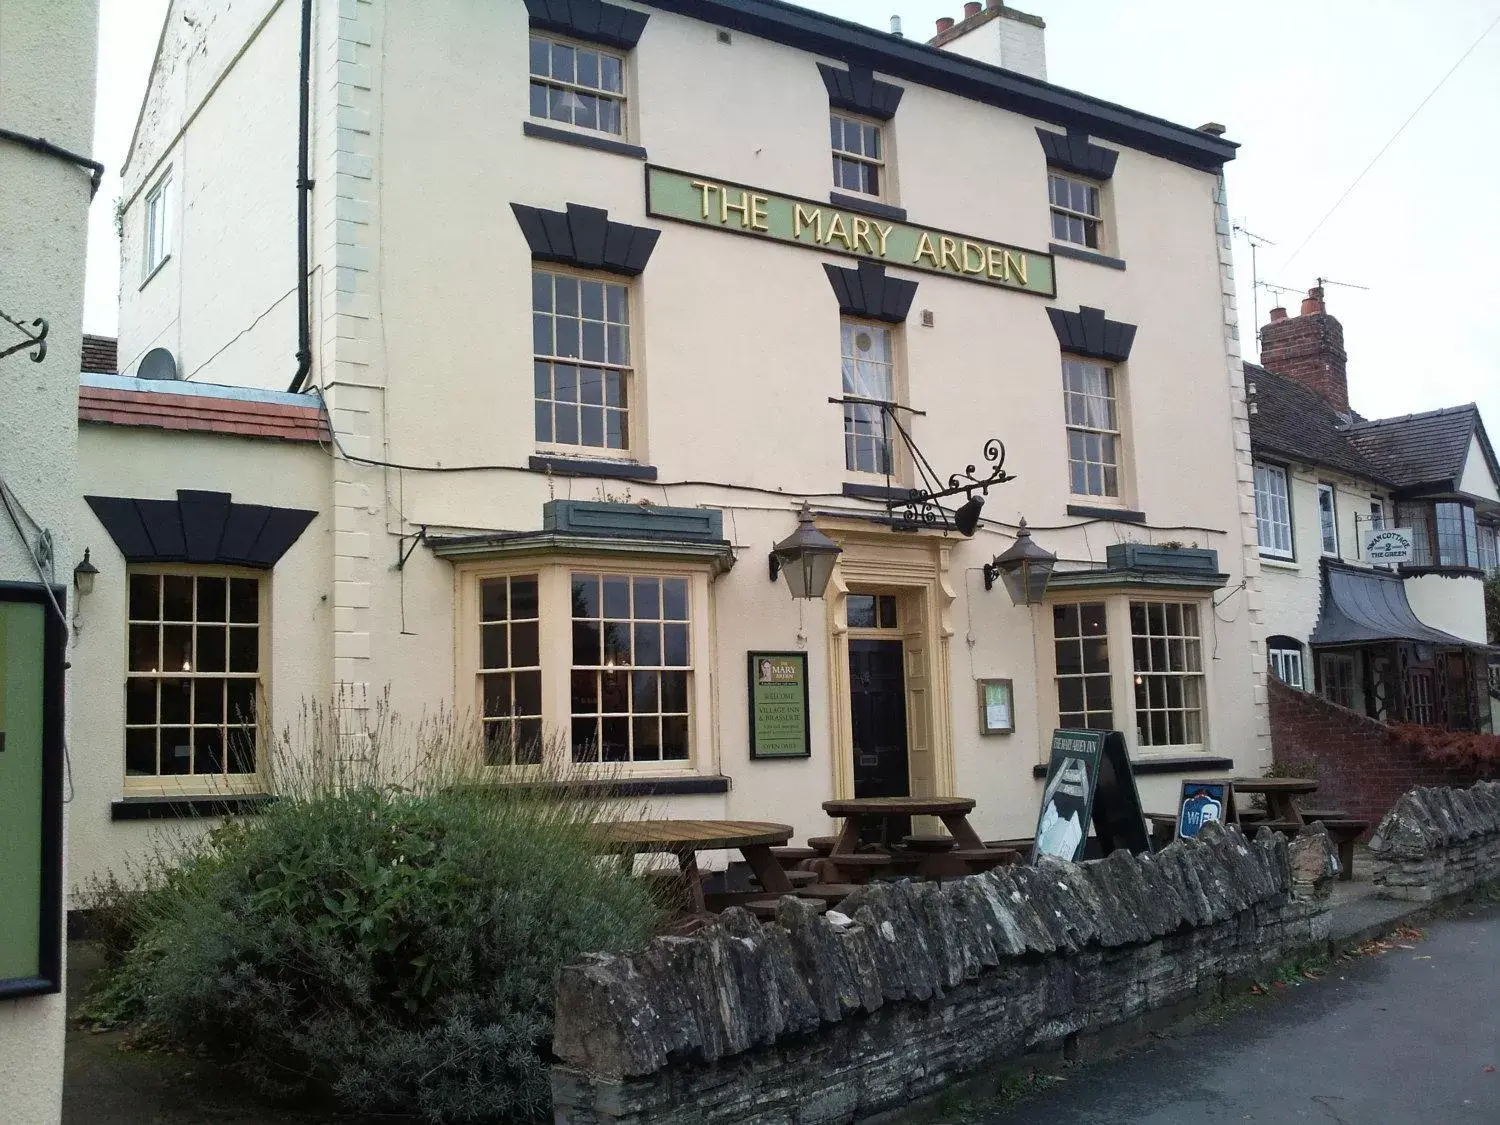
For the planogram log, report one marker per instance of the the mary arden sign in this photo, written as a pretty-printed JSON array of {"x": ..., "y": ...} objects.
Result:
[{"x": 738, "y": 209}]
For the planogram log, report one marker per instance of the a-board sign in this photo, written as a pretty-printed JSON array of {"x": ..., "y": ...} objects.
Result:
[
  {"x": 1201, "y": 802},
  {"x": 1089, "y": 781},
  {"x": 777, "y": 687},
  {"x": 31, "y": 719}
]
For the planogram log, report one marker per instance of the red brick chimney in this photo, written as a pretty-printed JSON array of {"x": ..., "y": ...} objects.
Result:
[{"x": 1309, "y": 348}]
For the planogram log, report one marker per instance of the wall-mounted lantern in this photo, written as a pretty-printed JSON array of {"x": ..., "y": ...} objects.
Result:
[
  {"x": 1025, "y": 569},
  {"x": 84, "y": 574},
  {"x": 806, "y": 557}
]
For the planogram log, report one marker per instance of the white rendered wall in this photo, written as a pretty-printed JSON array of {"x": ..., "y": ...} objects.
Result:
[
  {"x": 1006, "y": 42},
  {"x": 47, "y": 69}
]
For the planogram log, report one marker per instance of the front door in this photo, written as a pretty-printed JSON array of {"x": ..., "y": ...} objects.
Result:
[{"x": 877, "y": 705}]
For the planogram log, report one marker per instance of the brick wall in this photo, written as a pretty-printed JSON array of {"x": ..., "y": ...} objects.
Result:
[
  {"x": 1360, "y": 768},
  {"x": 1308, "y": 348}
]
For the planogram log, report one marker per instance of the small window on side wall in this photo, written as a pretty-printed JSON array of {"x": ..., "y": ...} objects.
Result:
[
  {"x": 1328, "y": 520},
  {"x": 1285, "y": 661},
  {"x": 158, "y": 225},
  {"x": 577, "y": 85},
  {"x": 858, "y": 155}
]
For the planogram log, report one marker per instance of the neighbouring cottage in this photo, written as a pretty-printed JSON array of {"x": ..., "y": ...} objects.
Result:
[
  {"x": 1391, "y": 642},
  {"x": 598, "y": 296}
]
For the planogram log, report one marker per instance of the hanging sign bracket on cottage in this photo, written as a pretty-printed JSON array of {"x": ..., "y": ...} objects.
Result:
[{"x": 755, "y": 213}]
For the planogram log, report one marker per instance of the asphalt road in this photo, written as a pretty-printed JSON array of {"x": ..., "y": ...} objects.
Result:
[{"x": 1403, "y": 1038}]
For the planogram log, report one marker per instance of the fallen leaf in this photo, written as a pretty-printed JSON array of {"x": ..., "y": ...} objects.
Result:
[
  {"x": 1489, "y": 1070},
  {"x": 1422, "y": 957}
]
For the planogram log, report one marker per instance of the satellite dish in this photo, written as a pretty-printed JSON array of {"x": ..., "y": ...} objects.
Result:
[{"x": 157, "y": 364}]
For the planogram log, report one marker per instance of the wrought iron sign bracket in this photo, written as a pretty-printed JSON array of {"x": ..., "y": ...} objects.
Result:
[{"x": 34, "y": 339}]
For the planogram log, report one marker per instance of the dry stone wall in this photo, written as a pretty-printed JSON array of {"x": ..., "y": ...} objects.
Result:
[
  {"x": 908, "y": 987},
  {"x": 1439, "y": 843}
]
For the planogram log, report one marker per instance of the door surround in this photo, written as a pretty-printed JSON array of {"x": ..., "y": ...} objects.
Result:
[{"x": 916, "y": 567}]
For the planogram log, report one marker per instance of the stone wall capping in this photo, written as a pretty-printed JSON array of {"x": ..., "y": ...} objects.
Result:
[
  {"x": 1439, "y": 842},
  {"x": 722, "y": 1025}
]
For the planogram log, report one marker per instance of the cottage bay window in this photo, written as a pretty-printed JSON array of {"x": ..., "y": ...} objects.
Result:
[
  {"x": 1076, "y": 214},
  {"x": 577, "y": 85},
  {"x": 581, "y": 360},
  {"x": 1093, "y": 428},
  {"x": 510, "y": 676},
  {"x": 869, "y": 372},
  {"x": 1167, "y": 647},
  {"x": 632, "y": 668},
  {"x": 858, "y": 155},
  {"x": 193, "y": 685},
  {"x": 1273, "y": 512},
  {"x": 1080, "y": 636},
  {"x": 1444, "y": 534}
]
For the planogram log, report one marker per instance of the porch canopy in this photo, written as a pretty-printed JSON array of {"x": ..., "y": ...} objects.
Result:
[{"x": 1363, "y": 606}]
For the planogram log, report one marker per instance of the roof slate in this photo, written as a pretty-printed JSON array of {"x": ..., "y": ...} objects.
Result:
[
  {"x": 100, "y": 354},
  {"x": 1296, "y": 422},
  {"x": 1418, "y": 449}
]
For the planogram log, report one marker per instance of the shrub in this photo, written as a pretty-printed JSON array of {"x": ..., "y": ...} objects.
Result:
[
  {"x": 1455, "y": 748},
  {"x": 393, "y": 945}
]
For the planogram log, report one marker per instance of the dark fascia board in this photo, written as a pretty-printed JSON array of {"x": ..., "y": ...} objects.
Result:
[
  {"x": 585, "y": 237},
  {"x": 857, "y": 90},
  {"x": 866, "y": 290},
  {"x": 942, "y": 70},
  {"x": 1118, "y": 515},
  {"x": 1072, "y": 152},
  {"x": 589, "y": 20},
  {"x": 179, "y": 808},
  {"x": 579, "y": 467},
  {"x": 1088, "y": 332},
  {"x": 200, "y": 527}
]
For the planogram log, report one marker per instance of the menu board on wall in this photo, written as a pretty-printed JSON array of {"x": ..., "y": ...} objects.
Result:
[
  {"x": 31, "y": 670},
  {"x": 777, "y": 686}
]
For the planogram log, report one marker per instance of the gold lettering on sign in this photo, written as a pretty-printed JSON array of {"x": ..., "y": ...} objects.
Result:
[
  {"x": 803, "y": 218},
  {"x": 836, "y": 229},
  {"x": 1015, "y": 266},
  {"x": 758, "y": 213},
  {"x": 925, "y": 250},
  {"x": 743, "y": 207},
  {"x": 862, "y": 235},
  {"x": 995, "y": 263},
  {"x": 704, "y": 191},
  {"x": 978, "y": 252},
  {"x": 882, "y": 233},
  {"x": 948, "y": 249}
]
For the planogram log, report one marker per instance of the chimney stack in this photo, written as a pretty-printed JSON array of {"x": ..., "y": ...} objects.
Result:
[{"x": 1310, "y": 349}]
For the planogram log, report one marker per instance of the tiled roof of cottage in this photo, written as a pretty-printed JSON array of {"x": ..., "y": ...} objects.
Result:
[
  {"x": 1289, "y": 419},
  {"x": 100, "y": 354},
  {"x": 1428, "y": 448},
  {"x": 118, "y": 400}
]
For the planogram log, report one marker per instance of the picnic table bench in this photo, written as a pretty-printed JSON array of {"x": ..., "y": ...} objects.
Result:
[
  {"x": 961, "y": 852},
  {"x": 686, "y": 838}
]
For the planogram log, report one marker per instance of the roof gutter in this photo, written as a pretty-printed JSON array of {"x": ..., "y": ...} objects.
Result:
[{"x": 304, "y": 201}]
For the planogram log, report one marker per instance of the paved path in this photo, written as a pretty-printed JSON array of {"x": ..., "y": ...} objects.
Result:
[{"x": 1399, "y": 1039}]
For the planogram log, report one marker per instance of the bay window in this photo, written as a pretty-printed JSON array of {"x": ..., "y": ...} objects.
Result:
[
  {"x": 1080, "y": 640},
  {"x": 1445, "y": 533},
  {"x": 1167, "y": 647}
]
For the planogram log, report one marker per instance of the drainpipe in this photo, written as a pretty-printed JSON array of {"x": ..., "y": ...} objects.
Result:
[{"x": 304, "y": 193}]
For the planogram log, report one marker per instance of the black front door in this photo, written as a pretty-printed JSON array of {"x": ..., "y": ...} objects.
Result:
[{"x": 877, "y": 703}]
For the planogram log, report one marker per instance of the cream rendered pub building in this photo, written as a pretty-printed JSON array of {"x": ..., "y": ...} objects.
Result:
[{"x": 601, "y": 296}]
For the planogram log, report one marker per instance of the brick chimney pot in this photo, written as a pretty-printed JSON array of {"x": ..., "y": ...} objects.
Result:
[
  {"x": 972, "y": 9},
  {"x": 944, "y": 24},
  {"x": 1278, "y": 313},
  {"x": 1310, "y": 349}
]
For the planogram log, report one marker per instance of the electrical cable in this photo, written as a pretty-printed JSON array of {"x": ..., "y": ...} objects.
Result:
[{"x": 1394, "y": 136}]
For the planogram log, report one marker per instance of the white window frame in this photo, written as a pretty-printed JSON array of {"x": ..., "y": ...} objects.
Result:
[
  {"x": 157, "y": 245},
  {"x": 1331, "y": 525},
  {"x": 629, "y": 410},
  {"x": 868, "y": 411},
  {"x": 870, "y": 164},
  {"x": 1273, "y": 511},
  {"x": 1087, "y": 680},
  {"x": 1106, "y": 435},
  {"x": 1071, "y": 214},
  {"x": 1489, "y": 548},
  {"x": 555, "y": 635},
  {"x": 170, "y": 784},
  {"x": 1286, "y": 664},
  {"x": 578, "y": 90},
  {"x": 1186, "y": 675}
]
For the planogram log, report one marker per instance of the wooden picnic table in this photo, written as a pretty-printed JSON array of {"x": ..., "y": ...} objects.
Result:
[
  {"x": 686, "y": 838},
  {"x": 952, "y": 811},
  {"x": 1281, "y": 795}
]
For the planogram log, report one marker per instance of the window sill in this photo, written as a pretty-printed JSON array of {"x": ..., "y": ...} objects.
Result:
[
  {"x": 582, "y": 140},
  {"x": 1280, "y": 564},
  {"x": 867, "y": 206},
  {"x": 685, "y": 785},
  {"x": 186, "y": 807},
  {"x": 156, "y": 269},
  {"x": 1122, "y": 515},
  {"x": 1063, "y": 250},
  {"x": 875, "y": 492},
  {"x": 1188, "y": 763},
  {"x": 585, "y": 467}
]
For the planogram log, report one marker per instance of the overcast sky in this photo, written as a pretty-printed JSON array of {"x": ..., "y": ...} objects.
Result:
[{"x": 1312, "y": 90}]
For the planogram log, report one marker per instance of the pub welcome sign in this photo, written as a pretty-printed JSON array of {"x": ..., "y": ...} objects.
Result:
[{"x": 721, "y": 205}]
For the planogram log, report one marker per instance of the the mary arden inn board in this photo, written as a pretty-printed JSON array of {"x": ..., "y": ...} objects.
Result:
[{"x": 600, "y": 296}]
